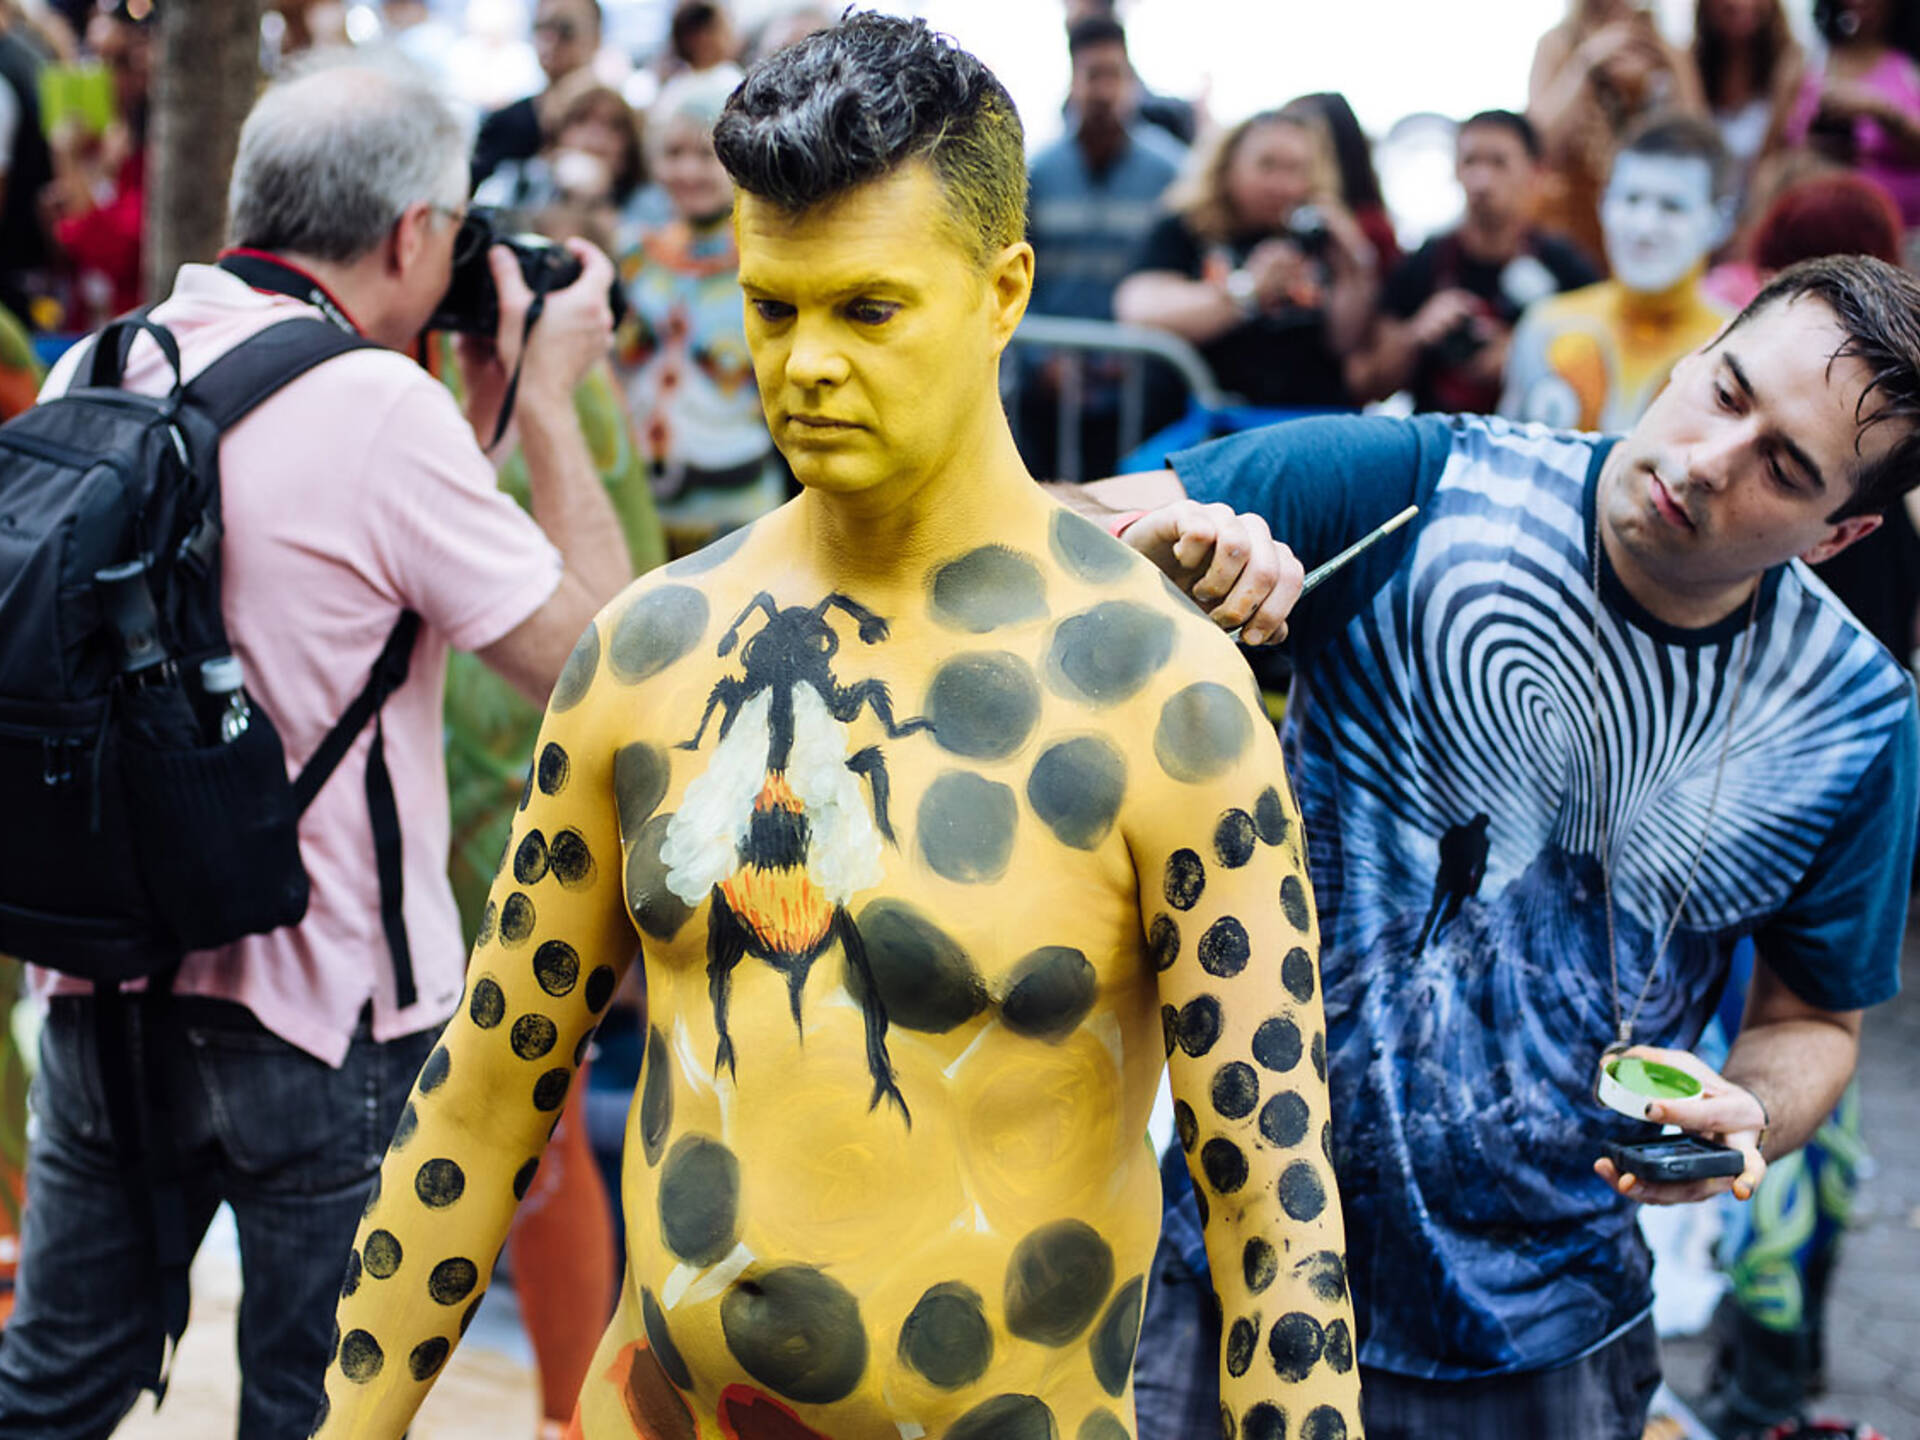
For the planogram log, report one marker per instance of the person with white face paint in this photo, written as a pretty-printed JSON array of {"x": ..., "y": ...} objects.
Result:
[{"x": 1593, "y": 359}]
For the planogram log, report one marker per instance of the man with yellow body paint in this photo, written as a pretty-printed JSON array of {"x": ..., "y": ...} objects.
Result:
[{"x": 940, "y": 822}]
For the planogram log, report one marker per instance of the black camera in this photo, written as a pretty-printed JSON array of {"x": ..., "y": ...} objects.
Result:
[
  {"x": 1307, "y": 228},
  {"x": 471, "y": 305}
]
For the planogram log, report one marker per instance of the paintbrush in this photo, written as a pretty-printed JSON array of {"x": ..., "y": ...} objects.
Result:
[{"x": 1353, "y": 551}]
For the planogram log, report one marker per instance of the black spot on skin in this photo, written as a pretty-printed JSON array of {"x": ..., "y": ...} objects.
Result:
[
  {"x": 434, "y": 1073},
  {"x": 1265, "y": 1422},
  {"x": 1339, "y": 1350},
  {"x": 661, "y": 626},
  {"x": 533, "y": 1036},
  {"x": 660, "y": 1341},
  {"x": 599, "y": 988},
  {"x": 526, "y": 790},
  {"x": 1186, "y": 1125},
  {"x": 1276, "y": 1044},
  {"x": 426, "y": 1358},
  {"x": 708, "y": 557},
  {"x": 656, "y": 910},
  {"x": 1301, "y": 1193},
  {"x": 516, "y": 919},
  {"x": 1115, "y": 1336},
  {"x": 1006, "y": 1417},
  {"x": 582, "y": 1046},
  {"x": 1229, "y": 1427},
  {"x": 1233, "y": 839},
  {"x": 488, "y": 1007},
  {"x": 1198, "y": 1025},
  {"x": 484, "y": 936},
  {"x": 1225, "y": 1167},
  {"x": 1236, "y": 1090},
  {"x": 320, "y": 1415},
  {"x": 1057, "y": 1280},
  {"x": 1295, "y": 1343},
  {"x": 987, "y": 588},
  {"x": 925, "y": 979},
  {"x": 1206, "y": 1212},
  {"x": 1088, "y": 552},
  {"x": 523, "y": 1178},
  {"x": 1242, "y": 1339},
  {"x": 1103, "y": 656},
  {"x": 656, "y": 1098},
  {"x": 1323, "y": 1422},
  {"x": 1260, "y": 1265},
  {"x": 1076, "y": 787},
  {"x": 1186, "y": 877},
  {"x": 550, "y": 1090},
  {"x": 1296, "y": 973},
  {"x": 360, "y": 1356},
  {"x": 453, "y": 1280},
  {"x": 700, "y": 1200},
  {"x": 571, "y": 860},
  {"x": 1293, "y": 903},
  {"x": 1326, "y": 1139},
  {"x": 1283, "y": 1119},
  {"x": 552, "y": 770},
  {"x": 1163, "y": 942},
  {"x": 530, "y": 859},
  {"x": 373, "y": 1195},
  {"x": 946, "y": 1337},
  {"x": 556, "y": 965},
  {"x": 1325, "y": 1272},
  {"x": 798, "y": 1332},
  {"x": 404, "y": 1129},
  {"x": 1102, "y": 1425},
  {"x": 350, "y": 1282},
  {"x": 466, "y": 1315},
  {"x": 965, "y": 827},
  {"x": 1224, "y": 949},
  {"x": 382, "y": 1255},
  {"x": 640, "y": 774},
  {"x": 1203, "y": 730},
  {"x": 1270, "y": 817},
  {"x": 1049, "y": 993},
  {"x": 1169, "y": 1026},
  {"x": 576, "y": 676},
  {"x": 983, "y": 705},
  {"x": 1319, "y": 1048},
  {"x": 439, "y": 1183}
]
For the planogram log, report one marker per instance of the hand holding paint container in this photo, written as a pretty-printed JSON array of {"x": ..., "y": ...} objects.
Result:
[{"x": 1629, "y": 1083}]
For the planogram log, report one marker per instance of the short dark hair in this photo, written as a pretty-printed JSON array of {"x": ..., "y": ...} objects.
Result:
[
  {"x": 1878, "y": 307},
  {"x": 1683, "y": 137},
  {"x": 1091, "y": 30},
  {"x": 850, "y": 105},
  {"x": 690, "y": 17},
  {"x": 1511, "y": 121}
]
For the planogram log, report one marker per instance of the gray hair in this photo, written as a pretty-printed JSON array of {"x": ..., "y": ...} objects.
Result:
[{"x": 331, "y": 155}]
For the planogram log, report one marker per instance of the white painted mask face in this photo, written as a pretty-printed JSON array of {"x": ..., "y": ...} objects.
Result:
[{"x": 1659, "y": 218}]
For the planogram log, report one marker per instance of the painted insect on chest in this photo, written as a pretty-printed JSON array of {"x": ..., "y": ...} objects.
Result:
[{"x": 776, "y": 832}]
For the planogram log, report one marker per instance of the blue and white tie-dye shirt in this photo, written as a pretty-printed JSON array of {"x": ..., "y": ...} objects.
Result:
[{"x": 1442, "y": 746}]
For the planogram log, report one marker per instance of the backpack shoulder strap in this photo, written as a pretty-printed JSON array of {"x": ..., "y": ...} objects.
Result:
[{"x": 262, "y": 364}]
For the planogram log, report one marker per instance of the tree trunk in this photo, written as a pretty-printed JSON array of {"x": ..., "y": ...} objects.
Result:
[{"x": 206, "y": 74}]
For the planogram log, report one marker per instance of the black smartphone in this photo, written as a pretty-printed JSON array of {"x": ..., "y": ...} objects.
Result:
[{"x": 1674, "y": 1158}]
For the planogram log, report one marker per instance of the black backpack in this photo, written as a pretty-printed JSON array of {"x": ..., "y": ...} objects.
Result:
[{"x": 136, "y": 832}]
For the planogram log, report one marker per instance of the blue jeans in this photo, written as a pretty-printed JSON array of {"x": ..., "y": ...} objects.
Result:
[{"x": 289, "y": 1143}]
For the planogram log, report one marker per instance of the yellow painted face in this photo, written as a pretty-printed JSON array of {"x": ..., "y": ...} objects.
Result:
[{"x": 876, "y": 338}]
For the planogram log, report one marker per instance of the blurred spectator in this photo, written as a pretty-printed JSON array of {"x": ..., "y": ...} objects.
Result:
[
  {"x": 1450, "y": 307},
  {"x": 1179, "y": 118},
  {"x": 1750, "y": 68},
  {"x": 25, "y": 164},
  {"x": 417, "y": 33},
  {"x": 1359, "y": 184},
  {"x": 780, "y": 30},
  {"x": 683, "y": 348},
  {"x": 1594, "y": 74},
  {"x": 1593, "y": 359},
  {"x": 97, "y": 201},
  {"x": 566, "y": 37},
  {"x": 1261, "y": 266},
  {"x": 590, "y": 181},
  {"x": 1835, "y": 212},
  {"x": 701, "y": 37},
  {"x": 1092, "y": 197},
  {"x": 1861, "y": 107}
]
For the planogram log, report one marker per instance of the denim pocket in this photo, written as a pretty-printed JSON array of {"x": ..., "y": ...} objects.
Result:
[
  {"x": 65, "y": 1094},
  {"x": 281, "y": 1115}
]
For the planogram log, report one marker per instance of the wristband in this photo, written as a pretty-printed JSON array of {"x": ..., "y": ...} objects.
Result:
[{"x": 1116, "y": 525}]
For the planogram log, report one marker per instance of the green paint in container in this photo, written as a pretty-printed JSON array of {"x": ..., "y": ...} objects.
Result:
[{"x": 1628, "y": 1082}]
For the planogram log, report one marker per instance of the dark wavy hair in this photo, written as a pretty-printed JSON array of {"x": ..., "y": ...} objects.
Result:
[
  {"x": 850, "y": 105},
  {"x": 1878, "y": 307}
]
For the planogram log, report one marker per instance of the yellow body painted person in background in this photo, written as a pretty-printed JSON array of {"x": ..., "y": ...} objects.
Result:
[{"x": 939, "y": 822}]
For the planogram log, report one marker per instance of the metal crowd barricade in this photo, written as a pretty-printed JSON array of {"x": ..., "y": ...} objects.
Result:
[{"x": 1074, "y": 340}]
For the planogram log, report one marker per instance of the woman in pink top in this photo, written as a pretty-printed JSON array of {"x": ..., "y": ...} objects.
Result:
[{"x": 1862, "y": 107}]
